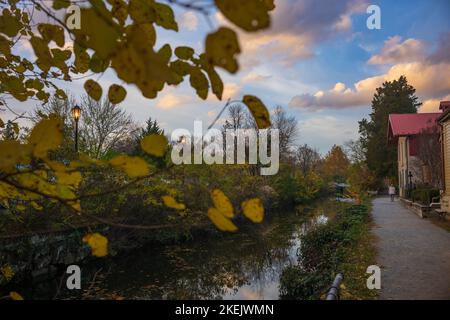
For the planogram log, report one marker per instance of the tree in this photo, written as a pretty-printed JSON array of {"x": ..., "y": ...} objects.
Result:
[
  {"x": 62, "y": 108},
  {"x": 103, "y": 127},
  {"x": 355, "y": 151},
  {"x": 117, "y": 36},
  {"x": 288, "y": 129},
  {"x": 429, "y": 153},
  {"x": 392, "y": 97},
  {"x": 10, "y": 131},
  {"x": 336, "y": 164},
  {"x": 236, "y": 118},
  {"x": 307, "y": 159}
]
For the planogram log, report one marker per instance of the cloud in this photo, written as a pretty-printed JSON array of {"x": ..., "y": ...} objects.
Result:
[
  {"x": 296, "y": 27},
  {"x": 171, "y": 100},
  {"x": 395, "y": 51},
  {"x": 254, "y": 77},
  {"x": 442, "y": 52},
  {"x": 189, "y": 21},
  {"x": 231, "y": 90},
  {"x": 428, "y": 75},
  {"x": 432, "y": 105},
  {"x": 323, "y": 131}
]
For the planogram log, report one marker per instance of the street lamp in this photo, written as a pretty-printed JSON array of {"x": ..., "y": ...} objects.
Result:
[
  {"x": 76, "y": 113},
  {"x": 410, "y": 175}
]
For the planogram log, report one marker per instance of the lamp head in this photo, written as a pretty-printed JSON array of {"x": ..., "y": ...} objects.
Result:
[{"x": 76, "y": 112}]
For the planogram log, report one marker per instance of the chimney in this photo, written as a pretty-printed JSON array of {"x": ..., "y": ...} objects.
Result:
[{"x": 444, "y": 106}]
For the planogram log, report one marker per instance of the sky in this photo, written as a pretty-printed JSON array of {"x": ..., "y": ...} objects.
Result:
[{"x": 318, "y": 60}]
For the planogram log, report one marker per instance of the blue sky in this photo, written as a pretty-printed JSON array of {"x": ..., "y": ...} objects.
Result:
[{"x": 318, "y": 60}]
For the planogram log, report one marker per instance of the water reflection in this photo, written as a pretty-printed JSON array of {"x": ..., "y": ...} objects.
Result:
[{"x": 245, "y": 265}]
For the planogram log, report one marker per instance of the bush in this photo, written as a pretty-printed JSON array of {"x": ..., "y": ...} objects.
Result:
[
  {"x": 424, "y": 195},
  {"x": 323, "y": 252}
]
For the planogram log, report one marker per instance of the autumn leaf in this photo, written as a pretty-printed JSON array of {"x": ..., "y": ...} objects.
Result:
[
  {"x": 222, "y": 203},
  {"x": 7, "y": 272},
  {"x": 60, "y": 4},
  {"x": 51, "y": 32},
  {"x": 98, "y": 244},
  {"x": 13, "y": 153},
  {"x": 116, "y": 94},
  {"x": 199, "y": 82},
  {"x": 250, "y": 15},
  {"x": 253, "y": 209},
  {"x": 93, "y": 89},
  {"x": 15, "y": 296},
  {"x": 172, "y": 203},
  {"x": 154, "y": 144},
  {"x": 133, "y": 166},
  {"x": 184, "y": 53},
  {"x": 221, "y": 48},
  {"x": 220, "y": 221},
  {"x": 46, "y": 136},
  {"x": 258, "y": 110}
]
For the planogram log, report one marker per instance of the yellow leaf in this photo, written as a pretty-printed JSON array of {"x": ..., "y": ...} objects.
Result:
[
  {"x": 165, "y": 17},
  {"x": 98, "y": 30},
  {"x": 222, "y": 203},
  {"x": 216, "y": 82},
  {"x": 250, "y": 15},
  {"x": 172, "y": 203},
  {"x": 60, "y": 4},
  {"x": 221, "y": 222},
  {"x": 52, "y": 32},
  {"x": 154, "y": 144},
  {"x": 7, "y": 272},
  {"x": 42, "y": 52},
  {"x": 253, "y": 209},
  {"x": 97, "y": 64},
  {"x": 221, "y": 47},
  {"x": 82, "y": 59},
  {"x": 9, "y": 23},
  {"x": 258, "y": 110},
  {"x": 116, "y": 93},
  {"x": 141, "y": 11},
  {"x": 98, "y": 244},
  {"x": 133, "y": 166},
  {"x": 184, "y": 53},
  {"x": 199, "y": 82},
  {"x": 93, "y": 89},
  {"x": 15, "y": 296},
  {"x": 165, "y": 52},
  {"x": 46, "y": 136},
  {"x": 12, "y": 153}
]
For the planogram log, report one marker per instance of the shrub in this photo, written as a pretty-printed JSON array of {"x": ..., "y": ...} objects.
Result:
[
  {"x": 424, "y": 195},
  {"x": 323, "y": 251}
]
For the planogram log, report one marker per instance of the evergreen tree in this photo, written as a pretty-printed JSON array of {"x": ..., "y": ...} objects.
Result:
[{"x": 392, "y": 97}]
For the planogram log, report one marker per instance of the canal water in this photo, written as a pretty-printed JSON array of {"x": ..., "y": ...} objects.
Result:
[{"x": 244, "y": 265}]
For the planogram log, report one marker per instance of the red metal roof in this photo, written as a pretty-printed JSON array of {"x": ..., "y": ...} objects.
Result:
[{"x": 411, "y": 123}]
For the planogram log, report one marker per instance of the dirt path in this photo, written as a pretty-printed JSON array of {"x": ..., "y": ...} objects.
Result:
[{"x": 413, "y": 253}]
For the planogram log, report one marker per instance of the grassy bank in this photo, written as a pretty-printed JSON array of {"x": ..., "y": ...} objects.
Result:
[{"x": 345, "y": 244}]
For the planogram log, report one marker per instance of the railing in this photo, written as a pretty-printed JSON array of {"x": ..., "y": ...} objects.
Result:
[{"x": 333, "y": 292}]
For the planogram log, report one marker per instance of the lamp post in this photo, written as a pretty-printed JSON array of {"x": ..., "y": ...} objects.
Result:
[
  {"x": 410, "y": 175},
  {"x": 76, "y": 113}
]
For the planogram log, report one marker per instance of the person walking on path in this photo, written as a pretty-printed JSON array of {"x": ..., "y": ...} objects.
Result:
[{"x": 392, "y": 192}]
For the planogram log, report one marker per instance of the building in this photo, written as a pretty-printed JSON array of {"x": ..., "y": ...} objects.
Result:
[
  {"x": 403, "y": 129},
  {"x": 444, "y": 122}
]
